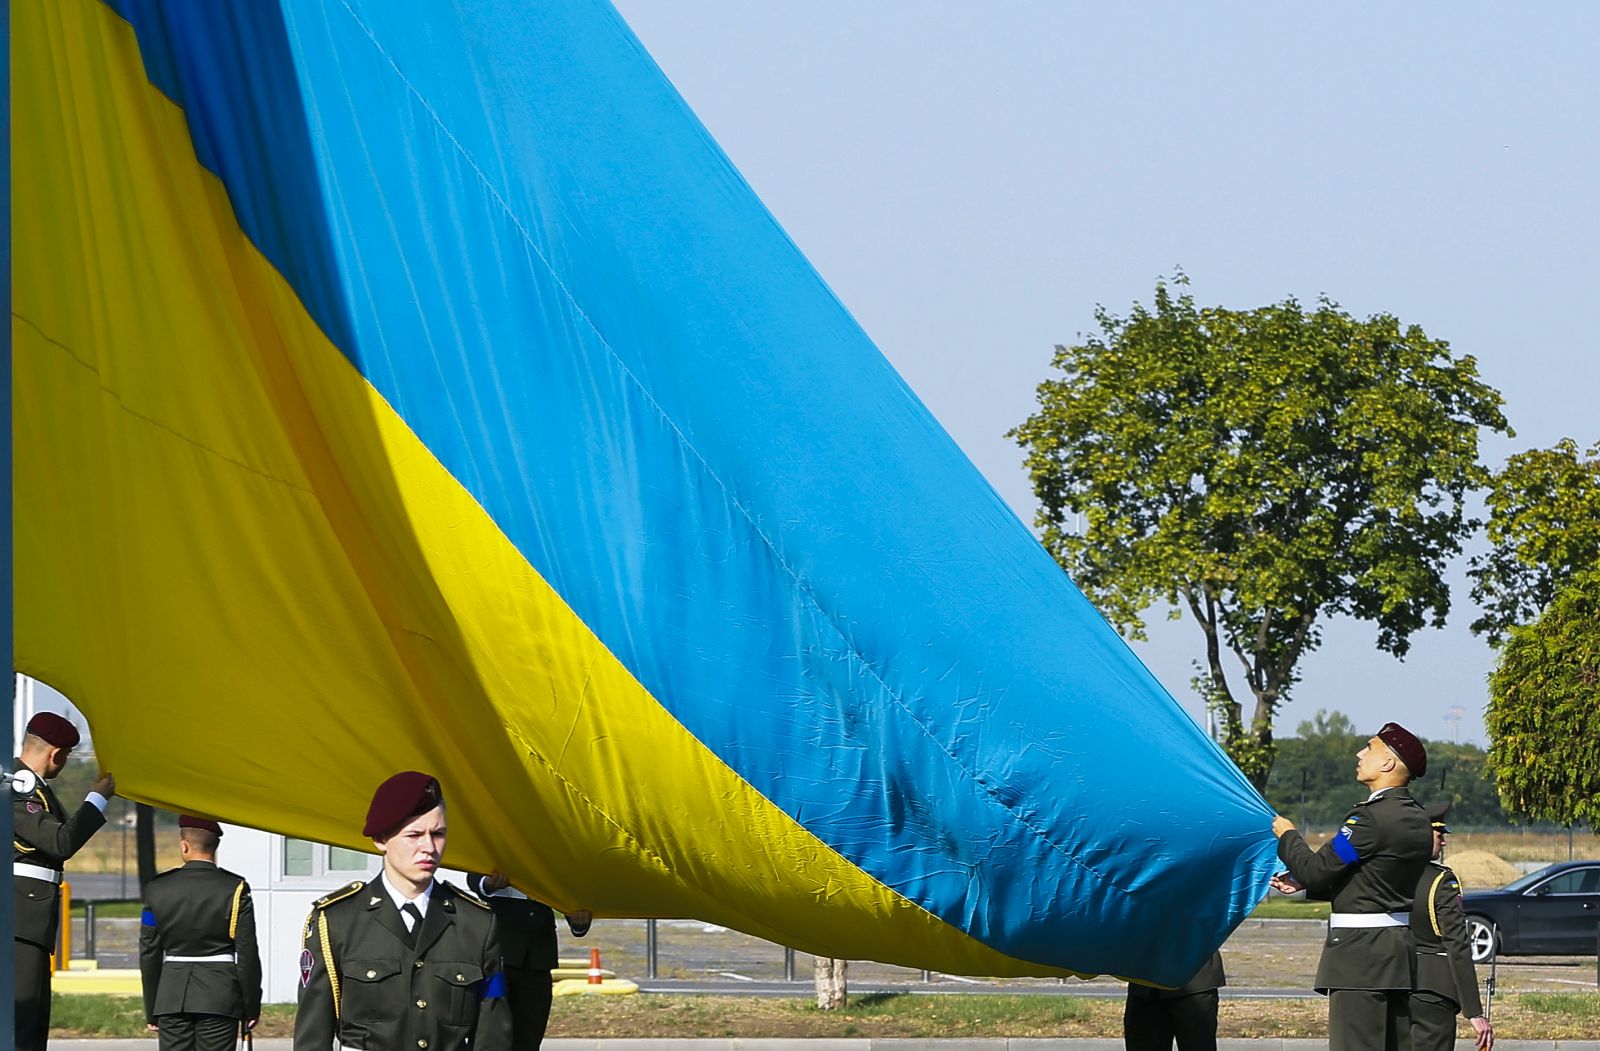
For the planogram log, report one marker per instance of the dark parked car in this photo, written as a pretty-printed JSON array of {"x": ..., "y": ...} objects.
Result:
[{"x": 1552, "y": 912}]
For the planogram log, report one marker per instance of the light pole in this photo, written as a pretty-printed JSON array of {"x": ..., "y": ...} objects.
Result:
[
  {"x": 124, "y": 889},
  {"x": 1452, "y": 716}
]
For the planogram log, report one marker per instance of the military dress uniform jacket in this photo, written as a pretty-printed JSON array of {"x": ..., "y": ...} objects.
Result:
[
  {"x": 1439, "y": 927},
  {"x": 1209, "y": 976},
  {"x": 1370, "y": 868},
  {"x": 45, "y": 836},
  {"x": 527, "y": 928},
  {"x": 364, "y": 982},
  {"x": 198, "y": 911}
]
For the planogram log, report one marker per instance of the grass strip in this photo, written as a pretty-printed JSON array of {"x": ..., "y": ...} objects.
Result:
[
  {"x": 1575, "y": 1005},
  {"x": 1528, "y": 1016}
]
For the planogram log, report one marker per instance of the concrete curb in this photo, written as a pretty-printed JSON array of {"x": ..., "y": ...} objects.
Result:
[
  {"x": 993, "y": 1044},
  {"x": 867, "y": 1044}
]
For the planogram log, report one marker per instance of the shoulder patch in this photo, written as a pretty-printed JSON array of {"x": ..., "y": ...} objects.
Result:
[
  {"x": 338, "y": 895},
  {"x": 1342, "y": 848}
]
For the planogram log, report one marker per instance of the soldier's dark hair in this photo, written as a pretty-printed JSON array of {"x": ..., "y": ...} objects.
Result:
[{"x": 200, "y": 840}]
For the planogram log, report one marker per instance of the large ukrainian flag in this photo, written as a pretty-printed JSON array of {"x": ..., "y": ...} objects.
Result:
[{"x": 418, "y": 385}]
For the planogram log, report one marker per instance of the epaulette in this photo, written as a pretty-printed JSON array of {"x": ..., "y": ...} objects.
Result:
[
  {"x": 465, "y": 895},
  {"x": 338, "y": 895}
]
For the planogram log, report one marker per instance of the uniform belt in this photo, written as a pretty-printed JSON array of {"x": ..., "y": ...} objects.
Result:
[
  {"x": 221, "y": 957},
  {"x": 1369, "y": 919},
  {"x": 22, "y": 868}
]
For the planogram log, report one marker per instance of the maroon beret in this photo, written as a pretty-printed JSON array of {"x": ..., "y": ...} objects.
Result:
[
  {"x": 399, "y": 799},
  {"x": 205, "y": 824},
  {"x": 1405, "y": 745},
  {"x": 54, "y": 729}
]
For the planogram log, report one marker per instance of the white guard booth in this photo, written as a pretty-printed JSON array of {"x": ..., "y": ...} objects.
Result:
[{"x": 286, "y": 875}]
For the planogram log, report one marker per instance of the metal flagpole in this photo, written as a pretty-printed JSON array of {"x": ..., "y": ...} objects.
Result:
[{"x": 8, "y": 980}]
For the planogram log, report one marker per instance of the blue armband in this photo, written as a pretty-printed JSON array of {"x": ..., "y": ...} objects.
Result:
[
  {"x": 1345, "y": 849},
  {"x": 147, "y": 918},
  {"x": 495, "y": 987}
]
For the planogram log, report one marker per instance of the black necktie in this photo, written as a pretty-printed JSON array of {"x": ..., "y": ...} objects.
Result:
[{"x": 411, "y": 910}]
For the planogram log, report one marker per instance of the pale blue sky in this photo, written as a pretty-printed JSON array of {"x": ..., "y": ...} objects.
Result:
[{"x": 972, "y": 179}]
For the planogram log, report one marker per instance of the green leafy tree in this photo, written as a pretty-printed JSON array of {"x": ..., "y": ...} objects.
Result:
[
  {"x": 1544, "y": 706},
  {"x": 1544, "y": 523},
  {"x": 1262, "y": 470}
]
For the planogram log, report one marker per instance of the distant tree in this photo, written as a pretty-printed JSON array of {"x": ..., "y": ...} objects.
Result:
[
  {"x": 72, "y": 784},
  {"x": 1544, "y": 523},
  {"x": 1459, "y": 774},
  {"x": 1313, "y": 780},
  {"x": 1262, "y": 470},
  {"x": 1544, "y": 707}
]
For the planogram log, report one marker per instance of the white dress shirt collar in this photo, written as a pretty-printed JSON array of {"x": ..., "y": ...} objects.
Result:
[{"x": 399, "y": 899}]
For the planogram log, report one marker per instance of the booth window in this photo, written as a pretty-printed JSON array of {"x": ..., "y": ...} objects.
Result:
[
  {"x": 302, "y": 857},
  {"x": 342, "y": 859},
  {"x": 297, "y": 857}
]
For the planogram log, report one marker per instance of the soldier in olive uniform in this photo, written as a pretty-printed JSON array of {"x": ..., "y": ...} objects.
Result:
[
  {"x": 1153, "y": 1018},
  {"x": 1369, "y": 870},
  {"x": 46, "y": 836},
  {"x": 528, "y": 941},
  {"x": 403, "y": 961},
  {"x": 197, "y": 948},
  {"x": 1447, "y": 984}
]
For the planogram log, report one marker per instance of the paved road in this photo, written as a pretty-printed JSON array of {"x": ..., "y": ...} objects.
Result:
[
  {"x": 103, "y": 886},
  {"x": 946, "y": 987},
  {"x": 1261, "y": 955},
  {"x": 1264, "y": 958},
  {"x": 868, "y": 1044}
]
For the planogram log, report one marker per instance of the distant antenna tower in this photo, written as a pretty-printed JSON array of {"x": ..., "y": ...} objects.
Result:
[{"x": 1452, "y": 715}]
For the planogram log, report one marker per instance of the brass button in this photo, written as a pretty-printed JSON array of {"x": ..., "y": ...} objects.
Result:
[
  {"x": 423, "y": 1042},
  {"x": 417, "y": 964},
  {"x": 461, "y": 977},
  {"x": 422, "y": 1003},
  {"x": 372, "y": 974}
]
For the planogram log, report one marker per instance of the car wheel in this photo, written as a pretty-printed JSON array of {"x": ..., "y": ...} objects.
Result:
[{"x": 1481, "y": 937}]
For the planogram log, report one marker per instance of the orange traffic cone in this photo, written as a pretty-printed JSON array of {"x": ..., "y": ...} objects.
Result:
[{"x": 595, "y": 977}]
